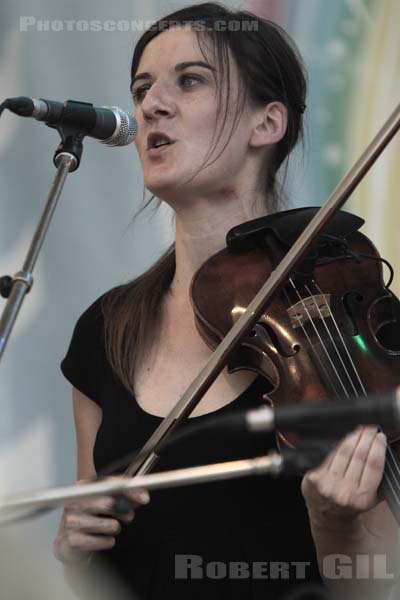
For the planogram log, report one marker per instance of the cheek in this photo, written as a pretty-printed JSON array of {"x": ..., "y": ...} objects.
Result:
[
  {"x": 140, "y": 137},
  {"x": 139, "y": 149}
]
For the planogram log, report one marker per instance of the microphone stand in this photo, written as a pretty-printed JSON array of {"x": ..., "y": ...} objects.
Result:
[{"x": 66, "y": 159}]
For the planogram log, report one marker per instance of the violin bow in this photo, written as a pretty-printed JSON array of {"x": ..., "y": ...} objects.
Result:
[{"x": 148, "y": 455}]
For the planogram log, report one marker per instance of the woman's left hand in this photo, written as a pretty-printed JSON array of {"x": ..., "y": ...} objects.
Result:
[
  {"x": 348, "y": 519},
  {"x": 346, "y": 483}
]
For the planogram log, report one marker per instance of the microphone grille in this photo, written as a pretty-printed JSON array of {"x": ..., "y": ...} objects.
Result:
[{"x": 126, "y": 129}]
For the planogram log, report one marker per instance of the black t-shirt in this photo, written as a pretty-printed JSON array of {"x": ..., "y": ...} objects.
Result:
[{"x": 243, "y": 538}]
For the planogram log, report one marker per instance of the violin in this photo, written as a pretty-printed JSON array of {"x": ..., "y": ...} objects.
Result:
[
  {"x": 286, "y": 336},
  {"x": 331, "y": 332}
]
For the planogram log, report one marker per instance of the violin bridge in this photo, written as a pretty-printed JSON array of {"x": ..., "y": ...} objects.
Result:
[{"x": 313, "y": 307}]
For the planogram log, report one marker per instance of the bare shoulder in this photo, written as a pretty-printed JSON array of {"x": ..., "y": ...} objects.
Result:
[
  {"x": 85, "y": 407},
  {"x": 88, "y": 416}
]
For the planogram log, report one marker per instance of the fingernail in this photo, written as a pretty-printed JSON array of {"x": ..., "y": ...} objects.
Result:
[
  {"x": 129, "y": 516},
  {"x": 144, "y": 497}
]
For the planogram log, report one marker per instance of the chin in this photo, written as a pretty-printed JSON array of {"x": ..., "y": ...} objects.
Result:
[
  {"x": 163, "y": 184},
  {"x": 160, "y": 186},
  {"x": 168, "y": 184}
]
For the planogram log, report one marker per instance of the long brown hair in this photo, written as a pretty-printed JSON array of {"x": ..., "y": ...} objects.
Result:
[{"x": 270, "y": 69}]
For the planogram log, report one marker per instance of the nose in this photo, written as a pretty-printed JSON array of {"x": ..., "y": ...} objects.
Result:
[{"x": 158, "y": 102}]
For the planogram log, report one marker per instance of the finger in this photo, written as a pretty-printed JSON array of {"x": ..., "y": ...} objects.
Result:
[
  {"x": 83, "y": 542},
  {"x": 332, "y": 454},
  {"x": 122, "y": 506},
  {"x": 129, "y": 501},
  {"x": 94, "y": 505},
  {"x": 91, "y": 524},
  {"x": 137, "y": 494},
  {"x": 139, "y": 497},
  {"x": 360, "y": 455},
  {"x": 344, "y": 453},
  {"x": 375, "y": 463},
  {"x": 125, "y": 517}
]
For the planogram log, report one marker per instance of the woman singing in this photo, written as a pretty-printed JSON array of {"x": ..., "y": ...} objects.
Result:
[{"x": 219, "y": 109}]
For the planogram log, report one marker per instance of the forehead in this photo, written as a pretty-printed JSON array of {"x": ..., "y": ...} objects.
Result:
[{"x": 172, "y": 46}]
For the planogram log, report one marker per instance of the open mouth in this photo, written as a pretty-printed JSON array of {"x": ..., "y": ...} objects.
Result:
[
  {"x": 159, "y": 149},
  {"x": 157, "y": 139}
]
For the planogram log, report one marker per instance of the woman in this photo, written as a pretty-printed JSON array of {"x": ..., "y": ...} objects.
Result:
[{"x": 219, "y": 109}]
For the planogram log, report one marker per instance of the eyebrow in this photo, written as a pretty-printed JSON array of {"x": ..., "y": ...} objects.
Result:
[{"x": 179, "y": 67}]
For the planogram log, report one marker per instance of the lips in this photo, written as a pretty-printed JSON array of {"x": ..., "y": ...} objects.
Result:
[
  {"x": 155, "y": 152},
  {"x": 156, "y": 137}
]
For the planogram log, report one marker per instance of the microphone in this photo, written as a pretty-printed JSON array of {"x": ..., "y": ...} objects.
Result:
[
  {"x": 109, "y": 125},
  {"x": 332, "y": 416}
]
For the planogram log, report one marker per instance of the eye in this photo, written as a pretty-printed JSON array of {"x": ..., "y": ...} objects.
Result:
[
  {"x": 137, "y": 94},
  {"x": 189, "y": 78},
  {"x": 186, "y": 81}
]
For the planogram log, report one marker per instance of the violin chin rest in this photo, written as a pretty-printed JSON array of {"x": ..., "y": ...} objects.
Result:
[{"x": 286, "y": 226}]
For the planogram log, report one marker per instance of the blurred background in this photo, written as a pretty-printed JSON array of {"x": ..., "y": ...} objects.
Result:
[{"x": 49, "y": 49}]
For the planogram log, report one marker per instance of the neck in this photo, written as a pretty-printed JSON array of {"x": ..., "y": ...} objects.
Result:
[{"x": 201, "y": 232}]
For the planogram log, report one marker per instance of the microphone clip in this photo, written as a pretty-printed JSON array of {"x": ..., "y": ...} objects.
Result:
[{"x": 77, "y": 120}]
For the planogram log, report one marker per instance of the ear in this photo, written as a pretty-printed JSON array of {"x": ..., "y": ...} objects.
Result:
[{"x": 270, "y": 127}]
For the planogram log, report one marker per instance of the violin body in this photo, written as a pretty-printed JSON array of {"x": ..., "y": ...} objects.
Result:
[{"x": 331, "y": 332}]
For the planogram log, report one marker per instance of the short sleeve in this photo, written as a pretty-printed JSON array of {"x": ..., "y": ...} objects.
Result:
[{"x": 85, "y": 363}]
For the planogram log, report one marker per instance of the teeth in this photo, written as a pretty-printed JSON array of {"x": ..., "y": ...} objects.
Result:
[{"x": 160, "y": 143}]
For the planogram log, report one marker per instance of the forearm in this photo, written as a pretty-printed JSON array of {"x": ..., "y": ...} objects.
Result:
[
  {"x": 354, "y": 561},
  {"x": 75, "y": 569},
  {"x": 355, "y": 535},
  {"x": 76, "y": 575}
]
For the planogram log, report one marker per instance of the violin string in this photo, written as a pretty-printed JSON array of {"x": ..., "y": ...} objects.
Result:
[
  {"x": 311, "y": 320},
  {"x": 341, "y": 339},
  {"x": 321, "y": 364},
  {"x": 388, "y": 477},
  {"x": 393, "y": 465},
  {"x": 391, "y": 461},
  {"x": 323, "y": 320},
  {"x": 391, "y": 479}
]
